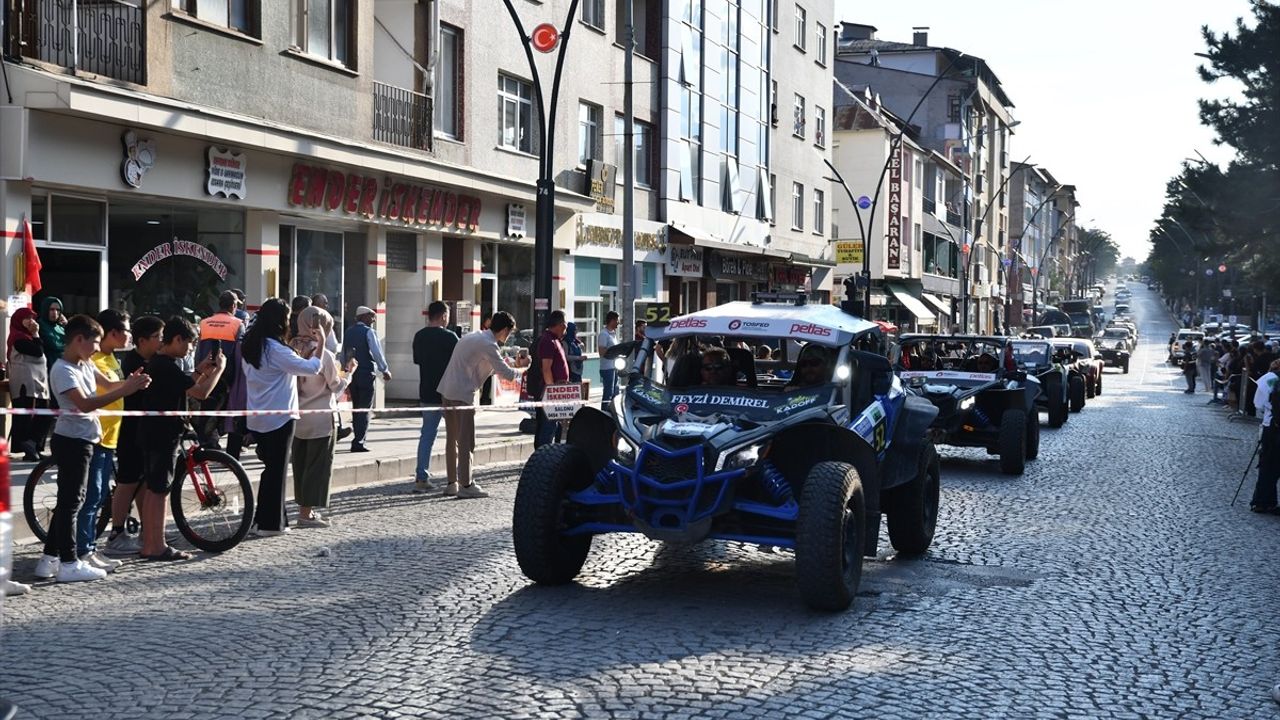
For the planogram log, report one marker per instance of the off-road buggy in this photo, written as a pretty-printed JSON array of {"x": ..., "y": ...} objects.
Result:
[
  {"x": 804, "y": 450},
  {"x": 1037, "y": 358},
  {"x": 983, "y": 399}
]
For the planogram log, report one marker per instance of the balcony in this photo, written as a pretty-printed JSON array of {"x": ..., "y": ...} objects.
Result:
[
  {"x": 401, "y": 117},
  {"x": 930, "y": 206},
  {"x": 103, "y": 37}
]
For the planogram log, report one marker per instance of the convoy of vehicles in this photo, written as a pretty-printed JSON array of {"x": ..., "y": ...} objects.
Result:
[{"x": 1036, "y": 357}]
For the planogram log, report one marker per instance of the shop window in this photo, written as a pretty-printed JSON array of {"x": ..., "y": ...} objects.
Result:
[
  {"x": 238, "y": 15},
  {"x": 515, "y": 283},
  {"x": 608, "y": 276},
  {"x": 318, "y": 262},
  {"x": 324, "y": 29},
  {"x": 649, "y": 280},
  {"x": 448, "y": 90},
  {"x": 78, "y": 221},
  {"x": 516, "y": 129}
]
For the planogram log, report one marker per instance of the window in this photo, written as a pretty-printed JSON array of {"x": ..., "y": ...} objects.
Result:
[
  {"x": 798, "y": 117},
  {"x": 801, "y": 28},
  {"x": 646, "y": 16},
  {"x": 821, "y": 37},
  {"x": 325, "y": 28},
  {"x": 953, "y": 108},
  {"x": 819, "y": 211},
  {"x": 238, "y": 15},
  {"x": 589, "y": 118},
  {"x": 515, "y": 112},
  {"x": 773, "y": 15},
  {"x": 797, "y": 206},
  {"x": 643, "y": 137},
  {"x": 448, "y": 119},
  {"x": 773, "y": 103},
  {"x": 593, "y": 13},
  {"x": 819, "y": 126},
  {"x": 773, "y": 199}
]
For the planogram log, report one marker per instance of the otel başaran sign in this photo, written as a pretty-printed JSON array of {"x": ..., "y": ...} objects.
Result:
[{"x": 382, "y": 198}]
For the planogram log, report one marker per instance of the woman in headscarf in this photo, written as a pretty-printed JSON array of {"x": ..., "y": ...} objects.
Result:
[
  {"x": 313, "y": 436},
  {"x": 28, "y": 384},
  {"x": 573, "y": 352},
  {"x": 53, "y": 334},
  {"x": 270, "y": 370}
]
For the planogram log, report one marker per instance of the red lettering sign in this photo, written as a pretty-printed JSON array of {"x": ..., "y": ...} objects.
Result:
[
  {"x": 352, "y": 200},
  {"x": 298, "y": 184},
  {"x": 809, "y": 329},
  {"x": 687, "y": 324},
  {"x": 351, "y": 194},
  {"x": 893, "y": 244},
  {"x": 367, "y": 196}
]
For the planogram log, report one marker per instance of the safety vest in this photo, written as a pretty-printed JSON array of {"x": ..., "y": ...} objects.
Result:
[{"x": 222, "y": 326}]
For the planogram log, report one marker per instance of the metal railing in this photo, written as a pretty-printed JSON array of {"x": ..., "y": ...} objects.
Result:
[
  {"x": 401, "y": 117},
  {"x": 104, "y": 37}
]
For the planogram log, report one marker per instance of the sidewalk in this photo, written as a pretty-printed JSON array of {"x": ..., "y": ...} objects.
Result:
[{"x": 393, "y": 445}]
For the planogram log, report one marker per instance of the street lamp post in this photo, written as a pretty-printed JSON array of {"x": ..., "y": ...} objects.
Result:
[
  {"x": 977, "y": 232},
  {"x": 1036, "y": 271},
  {"x": 545, "y": 210}
]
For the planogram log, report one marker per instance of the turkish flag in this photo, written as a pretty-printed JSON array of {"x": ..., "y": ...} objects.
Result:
[{"x": 31, "y": 258}]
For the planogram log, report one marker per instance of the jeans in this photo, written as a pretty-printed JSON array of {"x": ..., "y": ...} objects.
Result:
[
  {"x": 101, "y": 468},
  {"x": 73, "y": 457},
  {"x": 547, "y": 431},
  {"x": 426, "y": 443},
  {"x": 608, "y": 383},
  {"x": 273, "y": 450},
  {"x": 361, "y": 397}
]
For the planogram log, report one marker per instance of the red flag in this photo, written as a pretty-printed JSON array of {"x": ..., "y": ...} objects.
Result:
[{"x": 32, "y": 259}]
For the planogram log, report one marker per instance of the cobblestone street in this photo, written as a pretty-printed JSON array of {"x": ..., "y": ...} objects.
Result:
[{"x": 1113, "y": 580}]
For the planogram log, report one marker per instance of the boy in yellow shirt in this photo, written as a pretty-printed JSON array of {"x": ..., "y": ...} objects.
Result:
[{"x": 115, "y": 336}]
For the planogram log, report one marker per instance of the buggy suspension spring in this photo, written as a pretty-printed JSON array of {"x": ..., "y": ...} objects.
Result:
[{"x": 775, "y": 483}]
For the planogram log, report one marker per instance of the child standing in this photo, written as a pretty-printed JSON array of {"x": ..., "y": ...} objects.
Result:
[{"x": 74, "y": 381}]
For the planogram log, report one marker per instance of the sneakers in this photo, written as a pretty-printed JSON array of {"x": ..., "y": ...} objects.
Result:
[
  {"x": 315, "y": 521},
  {"x": 263, "y": 532},
  {"x": 422, "y": 486},
  {"x": 9, "y": 588},
  {"x": 102, "y": 562},
  {"x": 47, "y": 567},
  {"x": 472, "y": 491},
  {"x": 122, "y": 543},
  {"x": 451, "y": 490},
  {"x": 79, "y": 571}
]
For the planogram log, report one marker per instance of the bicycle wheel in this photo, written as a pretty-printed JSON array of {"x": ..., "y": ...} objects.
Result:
[
  {"x": 212, "y": 507},
  {"x": 40, "y": 496}
]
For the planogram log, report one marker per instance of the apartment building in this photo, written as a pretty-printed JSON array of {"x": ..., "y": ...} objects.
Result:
[
  {"x": 963, "y": 113},
  {"x": 1031, "y": 236}
]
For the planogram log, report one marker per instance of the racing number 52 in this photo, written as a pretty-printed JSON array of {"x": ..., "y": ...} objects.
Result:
[
  {"x": 879, "y": 436},
  {"x": 657, "y": 314}
]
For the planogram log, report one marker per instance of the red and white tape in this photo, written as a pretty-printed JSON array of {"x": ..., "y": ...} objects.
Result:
[{"x": 524, "y": 406}]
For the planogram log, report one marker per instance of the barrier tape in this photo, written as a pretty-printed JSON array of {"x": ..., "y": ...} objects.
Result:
[{"x": 312, "y": 411}]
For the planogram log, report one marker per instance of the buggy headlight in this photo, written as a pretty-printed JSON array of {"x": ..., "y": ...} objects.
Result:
[
  {"x": 966, "y": 403},
  {"x": 742, "y": 457},
  {"x": 624, "y": 450},
  {"x": 620, "y": 364}
]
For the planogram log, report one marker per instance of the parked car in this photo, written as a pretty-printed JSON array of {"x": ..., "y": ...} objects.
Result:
[
  {"x": 1215, "y": 329},
  {"x": 1036, "y": 357},
  {"x": 984, "y": 400},
  {"x": 809, "y": 463},
  {"x": 1179, "y": 339},
  {"x": 1085, "y": 359}
]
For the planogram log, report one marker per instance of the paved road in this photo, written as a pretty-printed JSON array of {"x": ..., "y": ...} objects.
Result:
[{"x": 1112, "y": 580}]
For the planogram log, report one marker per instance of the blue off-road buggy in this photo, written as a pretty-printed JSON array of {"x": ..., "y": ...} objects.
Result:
[{"x": 803, "y": 450}]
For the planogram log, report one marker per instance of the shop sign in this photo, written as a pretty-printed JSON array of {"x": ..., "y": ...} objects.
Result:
[
  {"x": 175, "y": 248},
  {"x": 788, "y": 275},
  {"x": 893, "y": 248},
  {"x": 560, "y": 402},
  {"x": 601, "y": 184},
  {"x": 849, "y": 252},
  {"x": 139, "y": 157},
  {"x": 227, "y": 173},
  {"x": 684, "y": 261},
  {"x": 382, "y": 198},
  {"x": 738, "y": 267},
  {"x": 515, "y": 220},
  {"x": 612, "y": 237}
]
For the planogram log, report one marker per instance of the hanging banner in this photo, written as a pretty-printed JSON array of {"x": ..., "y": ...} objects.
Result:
[{"x": 893, "y": 245}]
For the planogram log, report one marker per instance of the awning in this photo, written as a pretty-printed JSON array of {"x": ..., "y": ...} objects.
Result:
[
  {"x": 912, "y": 303},
  {"x": 802, "y": 259},
  {"x": 943, "y": 306},
  {"x": 682, "y": 234}
]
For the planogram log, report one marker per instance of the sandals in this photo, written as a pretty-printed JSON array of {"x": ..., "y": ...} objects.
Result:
[{"x": 170, "y": 554}]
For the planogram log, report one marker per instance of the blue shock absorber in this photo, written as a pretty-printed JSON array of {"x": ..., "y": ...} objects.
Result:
[
  {"x": 981, "y": 415},
  {"x": 775, "y": 483}
]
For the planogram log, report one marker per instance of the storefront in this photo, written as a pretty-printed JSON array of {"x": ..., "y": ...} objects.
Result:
[{"x": 598, "y": 273}]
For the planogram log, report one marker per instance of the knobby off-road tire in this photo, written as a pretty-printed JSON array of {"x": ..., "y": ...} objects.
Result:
[
  {"x": 1057, "y": 404},
  {"x": 1033, "y": 438},
  {"x": 1126, "y": 367},
  {"x": 544, "y": 554},
  {"x": 1012, "y": 443},
  {"x": 221, "y": 524},
  {"x": 1076, "y": 391},
  {"x": 911, "y": 510},
  {"x": 829, "y": 538}
]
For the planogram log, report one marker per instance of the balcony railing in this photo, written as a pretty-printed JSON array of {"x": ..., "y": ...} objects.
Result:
[
  {"x": 930, "y": 206},
  {"x": 104, "y": 37},
  {"x": 401, "y": 117}
]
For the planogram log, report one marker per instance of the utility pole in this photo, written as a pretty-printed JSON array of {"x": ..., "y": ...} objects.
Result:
[{"x": 628, "y": 182}]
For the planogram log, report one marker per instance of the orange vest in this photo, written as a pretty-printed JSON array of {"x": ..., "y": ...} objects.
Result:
[{"x": 223, "y": 326}]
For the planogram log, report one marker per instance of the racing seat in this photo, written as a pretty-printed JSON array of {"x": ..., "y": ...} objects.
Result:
[
  {"x": 744, "y": 363},
  {"x": 686, "y": 371}
]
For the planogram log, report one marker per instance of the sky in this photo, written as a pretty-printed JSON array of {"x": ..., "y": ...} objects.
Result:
[{"x": 1106, "y": 90}]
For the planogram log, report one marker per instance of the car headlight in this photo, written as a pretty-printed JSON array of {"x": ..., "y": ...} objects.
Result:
[
  {"x": 966, "y": 403},
  {"x": 624, "y": 450},
  {"x": 742, "y": 457}
]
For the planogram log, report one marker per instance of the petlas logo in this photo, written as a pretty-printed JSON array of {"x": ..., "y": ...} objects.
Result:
[
  {"x": 810, "y": 329},
  {"x": 687, "y": 323}
]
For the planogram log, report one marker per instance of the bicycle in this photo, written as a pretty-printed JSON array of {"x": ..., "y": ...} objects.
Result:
[{"x": 211, "y": 498}]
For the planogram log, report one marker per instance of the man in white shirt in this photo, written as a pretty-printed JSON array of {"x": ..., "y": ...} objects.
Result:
[
  {"x": 475, "y": 358},
  {"x": 608, "y": 338},
  {"x": 1264, "y": 492}
]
